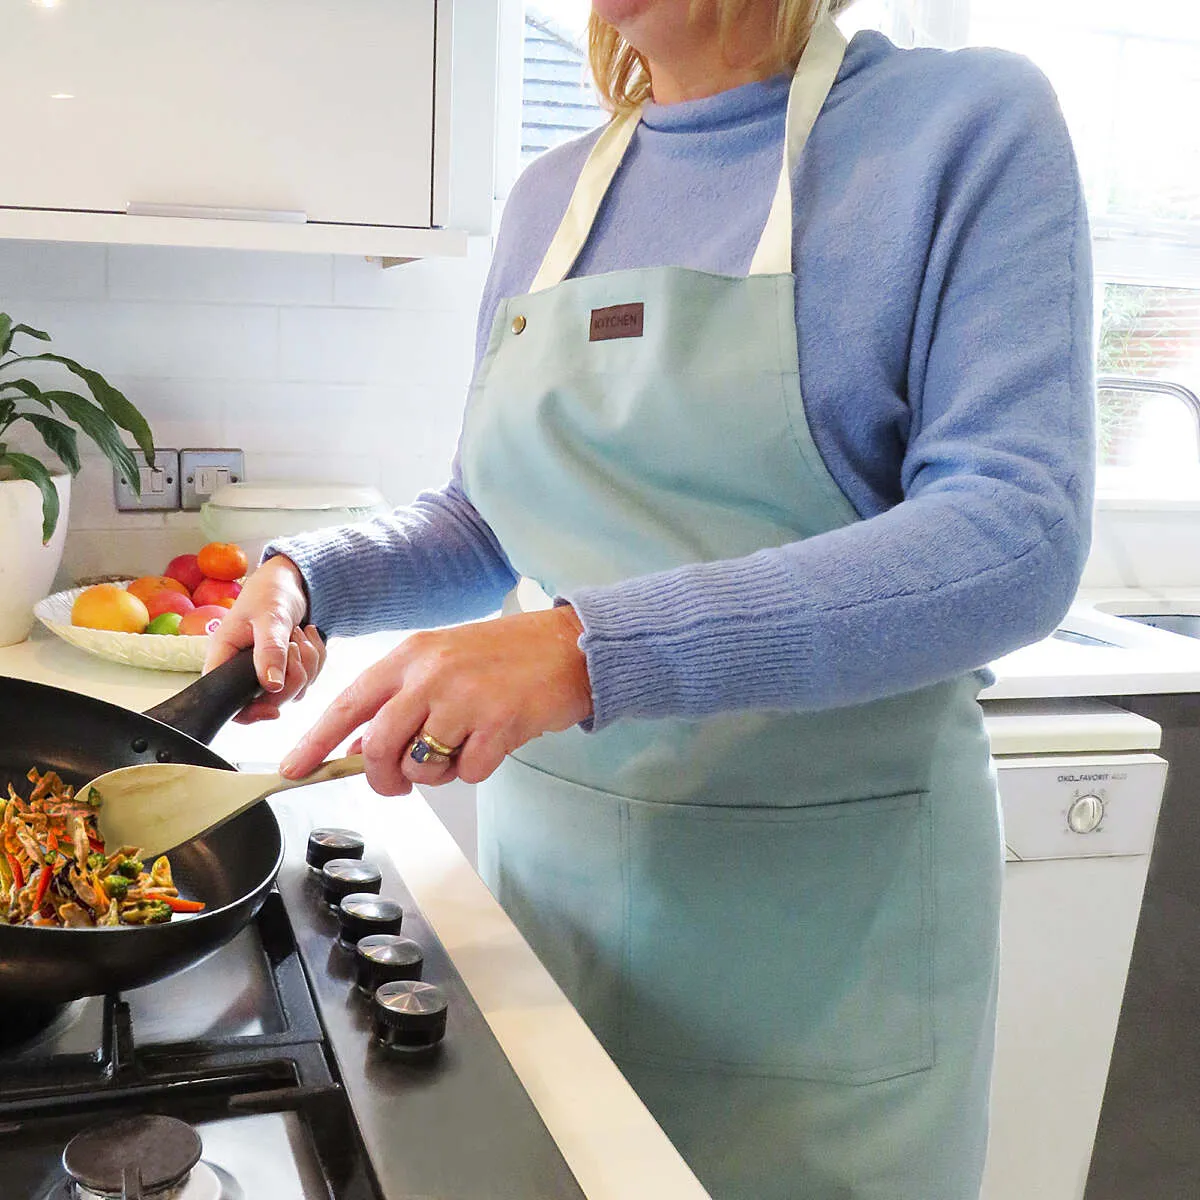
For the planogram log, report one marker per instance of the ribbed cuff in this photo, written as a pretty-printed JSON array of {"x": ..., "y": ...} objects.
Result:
[
  {"x": 317, "y": 558},
  {"x": 689, "y": 642}
]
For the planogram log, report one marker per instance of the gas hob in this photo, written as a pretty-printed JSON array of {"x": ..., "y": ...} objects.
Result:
[{"x": 271, "y": 1071}]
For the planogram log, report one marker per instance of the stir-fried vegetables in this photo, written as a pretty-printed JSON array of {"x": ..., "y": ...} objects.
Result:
[{"x": 54, "y": 869}]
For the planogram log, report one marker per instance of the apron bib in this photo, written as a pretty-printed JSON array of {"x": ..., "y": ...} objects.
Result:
[{"x": 783, "y": 926}]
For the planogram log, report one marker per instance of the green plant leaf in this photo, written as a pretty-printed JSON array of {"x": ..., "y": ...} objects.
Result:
[
  {"x": 5, "y": 333},
  {"x": 58, "y": 437},
  {"x": 26, "y": 387},
  {"x": 114, "y": 403},
  {"x": 102, "y": 429},
  {"x": 26, "y": 467},
  {"x": 29, "y": 329}
]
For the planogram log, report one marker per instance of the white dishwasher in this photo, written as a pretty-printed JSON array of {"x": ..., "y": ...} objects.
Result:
[{"x": 1080, "y": 789}]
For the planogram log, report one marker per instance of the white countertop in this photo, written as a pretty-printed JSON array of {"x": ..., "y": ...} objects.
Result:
[
  {"x": 611, "y": 1143},
  {"x": 1143, "y": 661}
]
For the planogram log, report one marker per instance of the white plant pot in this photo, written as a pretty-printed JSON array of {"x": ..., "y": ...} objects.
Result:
[{"x": 27, "y": 567}]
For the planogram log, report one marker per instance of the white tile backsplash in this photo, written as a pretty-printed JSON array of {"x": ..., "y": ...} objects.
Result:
[
  {"x": 326, "y": 368},
  {"x": 52, "y": 271},
  {"x": 388, "y": 346},
  {"x": 184, "y": 274}
]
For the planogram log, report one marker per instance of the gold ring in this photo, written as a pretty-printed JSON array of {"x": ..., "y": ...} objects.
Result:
[
  {"x": 425, "y": 748},
  {"x": 436, "y": 746}
]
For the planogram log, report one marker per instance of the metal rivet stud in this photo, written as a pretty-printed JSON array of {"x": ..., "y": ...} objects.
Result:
[{"x": 518, "y": 323}]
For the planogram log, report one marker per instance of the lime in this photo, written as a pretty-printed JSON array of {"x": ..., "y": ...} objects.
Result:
[{"x": 167, "y": 622}]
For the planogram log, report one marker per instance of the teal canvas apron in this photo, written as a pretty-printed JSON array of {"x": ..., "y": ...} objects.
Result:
[{"x": 782, "y": 925}]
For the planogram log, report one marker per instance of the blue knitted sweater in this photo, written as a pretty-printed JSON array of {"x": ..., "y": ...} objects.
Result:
[{"x": 944, "y": 315}]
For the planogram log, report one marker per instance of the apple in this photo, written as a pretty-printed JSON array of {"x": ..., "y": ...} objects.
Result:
[
  {"x": 168, "y": 602},
  {"x": 213, "y": 591},
  {"x": 202, "y": 620},
  {"x": 185, "y": 569}
]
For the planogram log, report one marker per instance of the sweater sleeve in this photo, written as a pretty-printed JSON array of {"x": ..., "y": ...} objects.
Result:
[
  {"x": 984, "y": 552},
  {"x": 431, "y": 563}
]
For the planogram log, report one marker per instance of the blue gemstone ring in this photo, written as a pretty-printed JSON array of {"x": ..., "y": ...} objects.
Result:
[{"x": 425, "y": 748}]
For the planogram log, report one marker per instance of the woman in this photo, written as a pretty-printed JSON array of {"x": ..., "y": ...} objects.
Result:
[{"x": 794, "y": 451}]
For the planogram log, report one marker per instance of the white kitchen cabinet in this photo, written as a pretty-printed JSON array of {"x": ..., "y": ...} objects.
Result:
[{"x": 281, "y": 124}]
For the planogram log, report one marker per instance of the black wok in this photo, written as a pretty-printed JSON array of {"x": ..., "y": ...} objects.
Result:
[{"x": 231, "y": 869}]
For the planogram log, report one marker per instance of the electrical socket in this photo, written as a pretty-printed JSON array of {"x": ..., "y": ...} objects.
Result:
[
  {"x": 160, "y": 484},
  {"x": 202, "y": 471}
]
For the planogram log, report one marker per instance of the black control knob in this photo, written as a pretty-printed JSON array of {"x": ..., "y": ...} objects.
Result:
[
  {"x": 361, "y": 913},
  {"x": 410, "y": 1016},
  {"x": 326, "y": 844},
  {"x": 341, "y": 876},
  {"x": 385, "y": 957}
]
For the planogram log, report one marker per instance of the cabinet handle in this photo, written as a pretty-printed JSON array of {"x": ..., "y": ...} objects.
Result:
[{"x": 282, "y": 216}]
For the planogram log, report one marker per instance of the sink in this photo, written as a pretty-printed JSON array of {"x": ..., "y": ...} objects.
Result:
[
  {"x": 1081, "y": 639},
  {"x": 1187, "y": 624}
]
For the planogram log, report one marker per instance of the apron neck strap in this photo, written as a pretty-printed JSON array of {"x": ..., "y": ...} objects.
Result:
[{"x": 814, "y": 77}]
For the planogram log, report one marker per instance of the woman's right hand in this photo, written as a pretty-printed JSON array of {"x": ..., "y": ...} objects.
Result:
[{"x": 268, "y": 615}]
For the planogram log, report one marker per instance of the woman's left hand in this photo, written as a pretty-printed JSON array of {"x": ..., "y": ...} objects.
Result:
[{"x": 487, "y": 688}]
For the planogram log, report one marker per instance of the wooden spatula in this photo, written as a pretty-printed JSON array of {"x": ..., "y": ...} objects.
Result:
[{"x": 159, "y": 806}]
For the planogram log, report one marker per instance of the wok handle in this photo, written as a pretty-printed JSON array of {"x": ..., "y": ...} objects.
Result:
[{"x": 202, "y": 708}]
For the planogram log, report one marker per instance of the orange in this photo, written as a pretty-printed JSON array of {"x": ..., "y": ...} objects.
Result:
[
  {"x": 147, "y": 585},
  {"x": 109, "y": 606},
  {"x": 222, "y": 560}
]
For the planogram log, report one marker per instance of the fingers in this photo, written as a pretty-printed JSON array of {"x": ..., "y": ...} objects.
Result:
[
  {"x": 265, "y": 616},
  {"x": 355, "y": 706},
  {"x": 232, "y": 635},
  {"x": 444, "y": 725},
  {"x": 311, "y": 650},
  {"x": 385, "y": 743},
  {"x": 272, "y": 636},
  {"x": 480, "y": 755}
]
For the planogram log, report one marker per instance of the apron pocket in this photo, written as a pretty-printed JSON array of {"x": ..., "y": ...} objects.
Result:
[{"x": 790, "y": 942}]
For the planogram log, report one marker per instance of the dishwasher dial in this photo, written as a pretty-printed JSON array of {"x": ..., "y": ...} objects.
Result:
[{"x": 1085, "y": 814}]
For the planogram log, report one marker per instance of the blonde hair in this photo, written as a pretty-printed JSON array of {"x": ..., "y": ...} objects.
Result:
[{"x": 622, "y": 75}]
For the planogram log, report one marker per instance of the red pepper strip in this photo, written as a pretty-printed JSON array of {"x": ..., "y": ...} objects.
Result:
[
  {"x": 179, "y": 904},
  {"x": 43, "y": 885},
  {"x": 18, "y": 874},
  {"x": 51, "y": 841},
  {"x": 96, "y": 844}
]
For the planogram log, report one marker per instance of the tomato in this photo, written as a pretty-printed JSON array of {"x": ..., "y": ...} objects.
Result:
[{"x": 222, "y": 560}]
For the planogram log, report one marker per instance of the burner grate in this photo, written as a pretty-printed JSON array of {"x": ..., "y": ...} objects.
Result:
[{"x": 47, "y": 1097}]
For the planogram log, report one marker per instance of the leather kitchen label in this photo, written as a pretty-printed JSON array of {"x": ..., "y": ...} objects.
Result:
[{"x": 619, "y": 321}]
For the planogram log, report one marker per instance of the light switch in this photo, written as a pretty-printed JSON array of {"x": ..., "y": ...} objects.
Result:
[
  {"x": 203, "y": 471},
  {"x": 160, "y": 483}
]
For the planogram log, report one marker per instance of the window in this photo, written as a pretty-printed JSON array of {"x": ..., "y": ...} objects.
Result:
[
  {"x": 557, "y": 98},
  {"x": 1128, "y": 79}
]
